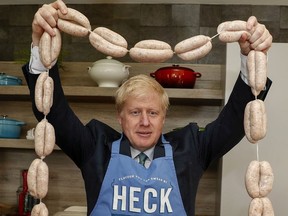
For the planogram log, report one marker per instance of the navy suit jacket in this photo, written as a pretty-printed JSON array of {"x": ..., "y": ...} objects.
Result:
[{"x": 89, "y": 146}]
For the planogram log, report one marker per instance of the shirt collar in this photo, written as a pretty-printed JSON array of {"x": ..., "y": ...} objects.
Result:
[{"x": 148, "y": 152}]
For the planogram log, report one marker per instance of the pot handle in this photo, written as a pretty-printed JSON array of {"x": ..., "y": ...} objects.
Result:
[
  {"x": 198, "y": 75},
  {"x": 152, "y": 74}
]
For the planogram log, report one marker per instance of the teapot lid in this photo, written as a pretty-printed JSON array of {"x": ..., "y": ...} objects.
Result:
[{"x": 108, "y": 60}]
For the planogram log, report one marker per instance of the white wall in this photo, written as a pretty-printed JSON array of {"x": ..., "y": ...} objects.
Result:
[
  {"x": 273, "y": 148},
  {"x": 259, "y": 2}
]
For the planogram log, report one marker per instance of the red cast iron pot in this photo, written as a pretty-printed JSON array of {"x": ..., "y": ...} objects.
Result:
[{"x": 176, "y": 77}]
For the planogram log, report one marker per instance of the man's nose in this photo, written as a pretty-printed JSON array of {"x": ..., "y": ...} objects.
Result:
[{"x": 145, "y": 119}]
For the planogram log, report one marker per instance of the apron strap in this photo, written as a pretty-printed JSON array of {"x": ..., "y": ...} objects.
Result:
[
  {"x": 116, "y": 146},
  {"x": 168, "y": 147}
]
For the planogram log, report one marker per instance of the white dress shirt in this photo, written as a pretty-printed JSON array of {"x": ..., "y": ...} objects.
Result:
[{"x": 149, "y": 153}]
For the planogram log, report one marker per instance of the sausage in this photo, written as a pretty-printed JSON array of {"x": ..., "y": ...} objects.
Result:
[
  {"x": 252, "y": 179},
  {"x": 106, "y": 47},
  {"x": 235, "y": 25},
  {"x": 56, "y": 43},
  {"x": 255, "y": 121},
  {"x": 261, "y": 207},
  {"x": 48, "y": 90},
  {"x": 39, "y": 209},
  {"x": 72, "y": 28},
  {"x": 151, "y": 51},
  {"x": 44, "y": 90},
  {"x": 45, "y": 49},
  {"x": 267, "y": 207},
  {"x": 44, "y": 138},
  {"x": 197, "y": 53},
  {"x": 76, "y": 17},
  {"x": 150, "y": 55},
  {"x": 266, "y": 178},
  {"x": 256, "y": 207},
  {"x": 37, "y": 178},
  {"x": 39, "y": 90},
  {"x": 111, "y": 36},
  {"x": 191, "y": 44},
  {"x": 231, "y": 31},
  {"x": 49, "y": 47},
  {"x": 152, "y": 44},
  {"x": 257, "y": 71},
  {"x": 259, "y": 179},
  {"x": 231, "y": 36}
]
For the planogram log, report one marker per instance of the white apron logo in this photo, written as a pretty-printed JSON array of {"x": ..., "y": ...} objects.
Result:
[{"x": 148, "y": 207}]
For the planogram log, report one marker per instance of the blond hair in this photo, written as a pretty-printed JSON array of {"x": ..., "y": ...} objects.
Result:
[{"x": 138, "y": 86}]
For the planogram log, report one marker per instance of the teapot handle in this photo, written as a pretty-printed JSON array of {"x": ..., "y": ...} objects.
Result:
[
  {"x": 126, "y": 69},
  {"x": 198, "y": 75}
]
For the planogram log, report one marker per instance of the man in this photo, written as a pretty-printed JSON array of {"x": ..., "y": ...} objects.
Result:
[{"x": 166, "y": 183}]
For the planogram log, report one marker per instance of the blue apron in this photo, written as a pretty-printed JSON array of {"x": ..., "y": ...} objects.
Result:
[{"x": 131, "y": 189}]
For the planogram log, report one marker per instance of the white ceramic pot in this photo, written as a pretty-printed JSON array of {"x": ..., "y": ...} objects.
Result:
[{"x": 109, "y": 72}]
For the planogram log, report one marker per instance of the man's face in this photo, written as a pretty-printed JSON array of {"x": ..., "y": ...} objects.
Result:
[{"x": 142, "y": 120}]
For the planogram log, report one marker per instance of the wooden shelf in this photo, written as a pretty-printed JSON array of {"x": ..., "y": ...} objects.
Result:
[
  {"x": 19, "y": 144},
  {"x": 79, "y": 88},
  {"x": 83, "y": 92}
]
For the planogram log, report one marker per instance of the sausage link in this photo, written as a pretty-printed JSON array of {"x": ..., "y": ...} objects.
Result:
[
  {"x": 111, "y": 36},
  {"x": 197, "y": 53},
  {"x": 49, "y": 48},
  {"x": 39, "y": 90},
  {"x": 266, "y": 178},
  {"x": 231, "y": 36},
  {"x": 261, "y": 207},
  {"x": 32, "y": 176},
  {"x": 257, "y": 71},
  {"x": 267, "y": 207},
  {"x": 38, "y": 178},
  {"x": 42, "y": 179},
  {"x": 152, "y": 44},
  {"x": 235, "y": 25},
  {"x": 150, "y": 55},
  {"x": 39, "y": 209},
  {"x": 255, "y": 120},
  {"x": 259, "y": 179},
  {"x": 39, "y": 138},
  {"x": 256, "y": 207},
  {"x": 72, "y": 28},
  {"x": 49, "y": 139},
  {"x": 56, "y": 43},
  {"x": 44, "y": 138},
  {"x": 45, "y": 49},
  {"x": 48, "y": 90},
  {"x": 152, "y": 51},
  {"x": 106, "y": 47},
  {"x": 252, "y": 179},
  {"x": 76, "y": 17},
  {"x": 191, "y": 43}
]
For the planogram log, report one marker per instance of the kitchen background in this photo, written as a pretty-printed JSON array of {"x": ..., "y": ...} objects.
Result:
[{"x": 167, "y": 22}]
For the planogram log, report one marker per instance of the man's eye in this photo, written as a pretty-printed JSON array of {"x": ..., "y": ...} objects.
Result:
[
  {"x": 152, "y": 113},
  {"x": 135, "y": 113}
]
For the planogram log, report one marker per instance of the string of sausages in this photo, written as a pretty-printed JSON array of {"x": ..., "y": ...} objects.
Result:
[
  {"x": 113, "y": 44},
  {"x": 44, "y": 140},
  {"x": 259, "y": 175}
]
